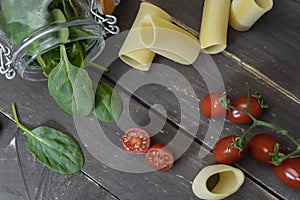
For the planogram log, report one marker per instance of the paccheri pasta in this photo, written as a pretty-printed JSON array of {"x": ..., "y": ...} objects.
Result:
[
  {"x": 214, "y": 25},
  {"x": 132, "y": 51},
  {"x": 244, "y": 13},
  {"x": 154, "y": 33},
  {"x": 217, "y": 181},
  {"x": 169, "y": 40}
]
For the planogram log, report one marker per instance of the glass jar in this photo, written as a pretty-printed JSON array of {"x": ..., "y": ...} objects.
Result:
[{"x": 35, "y": 29}]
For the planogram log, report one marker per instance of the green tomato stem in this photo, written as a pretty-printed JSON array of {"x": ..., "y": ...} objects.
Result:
[
  {"x": 249, "y": 93},
  {"x": 294, "y": 153},
  {"x": 243, "y": 137},
  {"x": 279, "y": 129},
  {"x": 257, "y": 122}
]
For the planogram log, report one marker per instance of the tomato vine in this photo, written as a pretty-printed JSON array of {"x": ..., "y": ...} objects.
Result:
[{"x": 240, "y": 143}]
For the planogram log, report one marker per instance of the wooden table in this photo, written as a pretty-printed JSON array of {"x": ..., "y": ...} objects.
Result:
[{"x": 267, "y": 57}]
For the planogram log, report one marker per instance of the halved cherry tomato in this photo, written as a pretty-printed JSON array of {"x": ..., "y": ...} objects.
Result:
[
  {"x": 224, "y": 151},
  {"x": 261, "y": 145},
  {"x": 211, "y": 107},
  {"x": 289, "y": 172},
  {"x": 136, "y": 141},
  {"x": 237, "y": 117},
  {"x": 160, "y": 157}
]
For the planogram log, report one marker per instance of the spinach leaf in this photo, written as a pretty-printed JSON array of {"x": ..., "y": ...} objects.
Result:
[
  {"x": 56, "y": 150},
  {"x": 76, "y": 52},
  {"x": 19, "y": 22},
  {"x": 71, "y": 8},
  {"x": 51, "y": 60},
  {"x": 108, "y": 106},
  {"x": 59, "y": 18},
  {"x": 71, "y": 87}
]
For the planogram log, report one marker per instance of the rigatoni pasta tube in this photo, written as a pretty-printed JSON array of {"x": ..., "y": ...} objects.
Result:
[
  {"x": 244, "y": 13},
  {"x": 214, "y": 25},
  {"x": 169, "y": 40},
  {"x": 132, "y": 51}
]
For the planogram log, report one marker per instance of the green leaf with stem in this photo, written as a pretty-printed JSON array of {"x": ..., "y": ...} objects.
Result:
[{"x": 56, "y": 150}]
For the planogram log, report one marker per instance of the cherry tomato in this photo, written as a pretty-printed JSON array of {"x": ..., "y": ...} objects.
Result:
[
  {"x": 224, "y": 151},
  {"x": 237, "y": 117},
  {"x": 261, "y": 145},
  {"x": 211, "y": 107},
  {"x": 289, "y": 172},
  {"x": 136, "y": 141},
  {"x": 160, "y": 157}
]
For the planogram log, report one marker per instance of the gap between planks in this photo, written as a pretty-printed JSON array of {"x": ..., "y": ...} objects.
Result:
[
  {"x": 247, "y": 67},
  {"x": 87, "y": 176},
  {"x": 7, "y": 115}
]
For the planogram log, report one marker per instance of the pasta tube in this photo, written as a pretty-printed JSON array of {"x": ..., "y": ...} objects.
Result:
[
  {"x": 169, "y": 40},
  {"x": 214, "y": 25},
  {"x": 132, "y": 51},
  {"x": 244, "y": 13},
  {"x": 229, "y": 180}
]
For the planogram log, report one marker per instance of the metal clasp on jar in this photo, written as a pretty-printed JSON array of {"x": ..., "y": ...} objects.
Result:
[
  {"x": 108, "y": 21},
  {"x": 5, "y": 60}
]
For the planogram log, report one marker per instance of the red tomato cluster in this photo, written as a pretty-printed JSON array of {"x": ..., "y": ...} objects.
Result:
[
  {"x": 137, "y": 141},
  {"x": 211, "y": 107},
  {"x": 261, "y": 147}
]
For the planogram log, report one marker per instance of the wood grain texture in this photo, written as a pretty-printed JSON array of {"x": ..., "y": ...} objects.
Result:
[
  {"x": 175, "y": 184},
  {"x": 271, "y": 46},
  {"x": 153, "y": 94},
  {"x": 36, "y": 107},
  {"x": 234, "y": 75},
  {"x": 123, "y": 185},
  {"x": 23, "y": 177}
]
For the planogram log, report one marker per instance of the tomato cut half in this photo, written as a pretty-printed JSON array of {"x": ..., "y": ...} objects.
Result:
[
  {"x": 136, "y": 140},
  {"x": 160, "y": 157}
]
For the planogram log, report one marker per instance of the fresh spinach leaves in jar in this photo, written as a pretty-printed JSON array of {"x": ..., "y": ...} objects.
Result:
[
  {"x": 68, "y": 81},
  {"x": 71, "y": 87}
]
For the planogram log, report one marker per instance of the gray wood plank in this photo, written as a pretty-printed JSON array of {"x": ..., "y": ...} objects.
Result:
[
  {"x": 122, "y": 184},
  {"x": 129, "y": 184},
  {"x": 271, "y": 46},
  {"x": 5, "y": 127},
  {"x": 23, "y": 177},
  {"x": 234, "y": 76},
  {"x": 43, "y": 183},
  {"x": 43, "y": 110}
]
